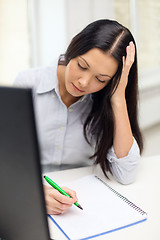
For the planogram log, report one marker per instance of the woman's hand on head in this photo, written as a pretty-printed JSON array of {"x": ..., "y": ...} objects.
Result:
[
  {"x": 57, "y": 203},
  {"x": 127, "y": 64}
]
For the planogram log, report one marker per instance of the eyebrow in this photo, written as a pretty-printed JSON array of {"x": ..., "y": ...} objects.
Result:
[{"x": 104, "y": 75}]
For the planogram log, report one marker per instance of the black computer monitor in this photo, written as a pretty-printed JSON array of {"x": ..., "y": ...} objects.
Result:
[{"x": 22, "y": 205}]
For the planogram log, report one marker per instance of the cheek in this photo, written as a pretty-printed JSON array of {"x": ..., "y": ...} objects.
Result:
[
  {"x": 96, "y": 87},
  {"x": 70, "y": 72}
]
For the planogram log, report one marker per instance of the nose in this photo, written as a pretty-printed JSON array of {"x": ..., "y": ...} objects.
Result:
[{"x": 84, "y": 81}]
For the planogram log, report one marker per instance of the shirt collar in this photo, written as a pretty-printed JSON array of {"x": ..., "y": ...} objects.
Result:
[{"x": 83, "y": 98}]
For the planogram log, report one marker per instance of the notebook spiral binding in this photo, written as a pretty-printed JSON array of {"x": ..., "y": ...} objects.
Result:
[{"x": 124, "y": 198}]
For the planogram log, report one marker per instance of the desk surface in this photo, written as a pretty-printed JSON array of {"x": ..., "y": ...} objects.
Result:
[{"x": 144, "y": 192}]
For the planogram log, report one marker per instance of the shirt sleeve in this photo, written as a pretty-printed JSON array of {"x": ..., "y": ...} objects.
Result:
[{"x": 124, "y": 169}]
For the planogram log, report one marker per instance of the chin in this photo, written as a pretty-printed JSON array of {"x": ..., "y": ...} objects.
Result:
[{"x": 74, "y": 93}]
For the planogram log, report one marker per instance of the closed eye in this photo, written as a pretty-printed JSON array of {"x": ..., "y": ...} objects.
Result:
[
  {"x": 100, "y": 80},
  {"x": 80, "y": 66}
]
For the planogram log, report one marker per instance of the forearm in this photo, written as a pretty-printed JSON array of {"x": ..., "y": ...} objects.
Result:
[{"x": 122, "y": 138}]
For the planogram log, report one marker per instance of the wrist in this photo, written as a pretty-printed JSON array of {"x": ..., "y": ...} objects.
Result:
[{"x": 118, "y": 101}]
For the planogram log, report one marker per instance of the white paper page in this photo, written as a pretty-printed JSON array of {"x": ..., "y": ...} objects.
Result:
[{"x": 103, "y": 210}]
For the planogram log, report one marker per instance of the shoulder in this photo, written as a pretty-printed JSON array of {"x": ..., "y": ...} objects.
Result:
[{"x": 32, "y": 77}]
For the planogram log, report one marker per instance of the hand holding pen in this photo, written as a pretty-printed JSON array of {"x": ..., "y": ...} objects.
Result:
[{"x": 58, "y": 200}]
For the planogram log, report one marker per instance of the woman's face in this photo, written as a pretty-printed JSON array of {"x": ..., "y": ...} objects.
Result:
[{"x": 89, "y": 72}]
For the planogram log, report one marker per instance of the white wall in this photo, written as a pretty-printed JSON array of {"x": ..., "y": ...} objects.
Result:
[
  {"x": 149, "y": 108},
  {"x": 14, "y": 39},
  {"x": 48, "y": 30},
  {"x": 79, "y": 13},
  {"x": 149, "y": 86}
]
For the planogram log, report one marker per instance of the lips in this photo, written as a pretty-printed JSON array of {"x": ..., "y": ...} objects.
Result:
[{"x": 77, "y": 89}]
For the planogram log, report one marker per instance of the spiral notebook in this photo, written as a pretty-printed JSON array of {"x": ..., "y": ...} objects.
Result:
[{"x": 104, "y": 211}]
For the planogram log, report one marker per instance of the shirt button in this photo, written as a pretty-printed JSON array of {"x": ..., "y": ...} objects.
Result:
[
  {"x": 70, "y": 110},
  {"x": 53, "y": 96},
  {"x": 59, "y": 147},
  {"x": 61, "y": 128}
]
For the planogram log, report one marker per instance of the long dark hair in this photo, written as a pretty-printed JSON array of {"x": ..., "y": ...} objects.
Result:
[{"x": 113, "y": 38}]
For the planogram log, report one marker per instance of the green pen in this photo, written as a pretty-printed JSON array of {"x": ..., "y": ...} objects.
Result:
[{"x": 53, "y": 184}]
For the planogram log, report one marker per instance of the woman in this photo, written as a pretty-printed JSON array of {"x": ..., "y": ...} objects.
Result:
[{"x": 87, "y": 107}]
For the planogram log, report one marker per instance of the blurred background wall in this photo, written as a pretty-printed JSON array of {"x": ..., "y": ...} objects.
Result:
[{"x": 34, "y": 32}]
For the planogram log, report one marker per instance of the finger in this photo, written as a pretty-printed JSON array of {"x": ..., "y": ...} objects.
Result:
[
  {"x": 55, "y": 210},
  {"x": 57, "y": 207},
  {"x": 123, "y": 60},
  {"x": 130, "y": 54},
  {"x": 132, "y": 50},
  {"x": 55, "y": 194},
  {"x": 128, "y": 50},
  {"x": 53, "y": 205},
  {"x": 71, "y": 193},
  {"x": 54, "y": 198},
  {"x": 55, "y": 213}
]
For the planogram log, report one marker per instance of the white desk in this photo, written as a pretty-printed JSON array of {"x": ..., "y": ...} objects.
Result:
[{"x": 145, "y": 193}]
